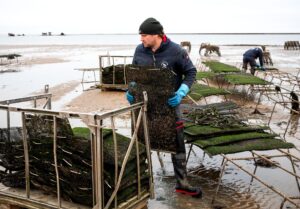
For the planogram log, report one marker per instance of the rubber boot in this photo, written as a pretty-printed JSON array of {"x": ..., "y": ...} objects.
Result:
[
  {"x": 245, "y": 67},
  {"x": 182, "y": 185},
  {"x": 252, "y": 70},
  {"x": 188, "y": 190},
  {"x": 179, "y": 164}
]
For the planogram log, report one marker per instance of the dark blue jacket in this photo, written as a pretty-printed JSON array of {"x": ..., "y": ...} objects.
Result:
[
  {"x": 168, "y": 56},
  {"x": 253, "y": 54}
]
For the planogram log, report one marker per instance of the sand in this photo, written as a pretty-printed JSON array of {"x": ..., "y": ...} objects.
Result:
[{"x": 96, "y": 100}]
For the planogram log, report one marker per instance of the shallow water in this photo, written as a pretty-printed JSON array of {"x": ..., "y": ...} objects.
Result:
[
  {"x": 133, "y": 39},
  {"x": 235, "y": 190}
]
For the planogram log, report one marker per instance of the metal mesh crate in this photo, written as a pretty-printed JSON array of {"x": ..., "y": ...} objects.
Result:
[{"x": 113, "y": 71}]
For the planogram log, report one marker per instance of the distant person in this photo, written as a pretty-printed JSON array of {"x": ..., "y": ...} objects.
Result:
[
  {"x": 250, "y": 56},
  {"x": 159, "y": 51}
]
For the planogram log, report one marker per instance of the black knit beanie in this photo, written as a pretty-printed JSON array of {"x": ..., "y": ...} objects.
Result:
[{"x": 151, "y": 26}]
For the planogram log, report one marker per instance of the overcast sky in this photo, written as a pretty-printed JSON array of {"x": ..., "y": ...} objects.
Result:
[{"x": 121, "y": 16}]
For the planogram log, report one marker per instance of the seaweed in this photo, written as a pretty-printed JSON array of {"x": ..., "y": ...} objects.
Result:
[
  {"x": 256, "y": 144},
  {"x": 244, "y": 79},
  {"x": 226, "y": 107},
  {"x": 218, "y": 67},
  {"x": 202, "y": 75},
  {"x": 73, "y": 159},
  {"x": 114, "y": 74},
  {"x": 160, "y": 86},
  {"x": 227, "y": 139},
  {"x": 224, "y": 134},
  {"x": 212, "y": 117},
  {"x": 198, "y": 91},
  {"x": 200, "y": 132}
]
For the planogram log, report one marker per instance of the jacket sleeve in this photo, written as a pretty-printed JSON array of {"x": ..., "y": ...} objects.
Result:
[
  {"x": 134, "y": 61},
  {"x": 188, "y": 69}
]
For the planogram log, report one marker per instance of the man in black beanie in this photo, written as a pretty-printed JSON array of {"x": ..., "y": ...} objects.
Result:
[
  {"x": 151, "y": 26},
  {"x": 160, "y": 52}
]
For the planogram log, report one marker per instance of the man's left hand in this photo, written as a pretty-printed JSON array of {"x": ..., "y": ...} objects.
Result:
[
  {"x": 175, "y": 100},
  {"x": 179, "y": 94}
]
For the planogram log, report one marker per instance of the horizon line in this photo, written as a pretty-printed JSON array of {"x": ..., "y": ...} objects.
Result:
[{"x": 194, "y": 33}]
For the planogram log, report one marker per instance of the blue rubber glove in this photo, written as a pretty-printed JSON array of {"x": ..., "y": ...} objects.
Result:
[
  {"x": 129, "y": 97},
  {"x": 179, "y": 94}
]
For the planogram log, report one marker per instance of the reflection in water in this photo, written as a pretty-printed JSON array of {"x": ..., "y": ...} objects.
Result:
[
  {"x": 227, "y": 196},
  {"x": 204, "y": 173},
  {"x": 237, "y": 189}
]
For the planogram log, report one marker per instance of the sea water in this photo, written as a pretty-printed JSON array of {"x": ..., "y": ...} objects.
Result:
[{"x": 133, "y": 39}]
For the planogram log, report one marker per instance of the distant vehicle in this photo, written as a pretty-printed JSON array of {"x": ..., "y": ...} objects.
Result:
[
  {"x": 10, "y": 56},
  {"x": 47, "y": 34},
  {"x": 11, "y": 34}
]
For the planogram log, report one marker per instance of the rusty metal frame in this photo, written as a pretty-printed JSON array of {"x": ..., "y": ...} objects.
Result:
[
  {"x": 277, "y": 80},
  {"x": 86, "y": 70},
  {"x": 284, "y": 77},
  {"x": 281, "y": 99},
  {"x": 97, "y": 158},
  {"x": 35, "y": 98},
  {"x": 46, "y": 96},
  {"x": 226, "y": 160},
  {"x": 111, "y": 58},
  {"x": 267, "y": 91}
]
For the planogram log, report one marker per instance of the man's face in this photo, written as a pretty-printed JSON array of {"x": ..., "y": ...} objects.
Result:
[{"x": 149, "y": 40}]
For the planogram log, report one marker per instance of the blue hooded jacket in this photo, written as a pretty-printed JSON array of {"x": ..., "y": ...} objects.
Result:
[
  {"x": 168, "y": 56},
  {"x": 252, "y": 54}
]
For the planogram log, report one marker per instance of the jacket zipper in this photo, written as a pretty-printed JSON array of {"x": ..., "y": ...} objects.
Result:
[{"x": 154, "y": 60}]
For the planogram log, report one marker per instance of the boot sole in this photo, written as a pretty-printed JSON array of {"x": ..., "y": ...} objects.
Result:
[{"x": 193, "y": 194}]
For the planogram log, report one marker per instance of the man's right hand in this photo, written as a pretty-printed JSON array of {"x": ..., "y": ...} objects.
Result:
[
  {"x": 179, "y": 94},
  {"x": 129, "y": 97}
]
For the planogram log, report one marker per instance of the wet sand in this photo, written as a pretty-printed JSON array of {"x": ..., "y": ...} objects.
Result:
[
  {"x": 236, "y": 191},
  {"x": 97, "y": 101}
]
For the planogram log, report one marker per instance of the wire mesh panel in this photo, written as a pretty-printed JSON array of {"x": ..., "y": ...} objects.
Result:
[
  {"x": 92, "y": 166},
  {"x": 159, "y": 85},
  {"x": 113, "y": 71}
]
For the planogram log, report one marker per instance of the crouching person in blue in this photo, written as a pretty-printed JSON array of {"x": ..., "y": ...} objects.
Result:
[
  {"x": 160, "y": 52},
  {"x": 250, "y": 56}
]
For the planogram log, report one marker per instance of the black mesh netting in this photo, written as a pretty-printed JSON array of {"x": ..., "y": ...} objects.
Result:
[
  {"x": 159, "y": 85},
  {"x": 114, "y": 74},
  {"x": 74, "y": 161}
]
